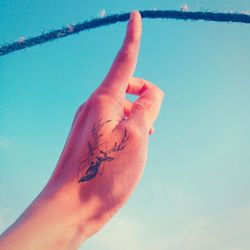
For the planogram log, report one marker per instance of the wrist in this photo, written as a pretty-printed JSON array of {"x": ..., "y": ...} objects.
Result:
[
  {"x": 71, "y": 212},
  {"x": 52, "y": 221}
]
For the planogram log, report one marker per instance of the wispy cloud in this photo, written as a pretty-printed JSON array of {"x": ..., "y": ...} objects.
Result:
[
  {"x": 5, "y": 143},
  {"x": 229, "y": 231},
  {"x": 225, "y": 232},
  {"x": 121, "y": 233}
]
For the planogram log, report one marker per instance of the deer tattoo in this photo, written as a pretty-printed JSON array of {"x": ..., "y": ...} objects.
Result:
[{"x": 97, "y": 156}]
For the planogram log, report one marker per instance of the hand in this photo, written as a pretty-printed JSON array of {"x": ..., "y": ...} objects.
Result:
[
  {"x": 107, "y": 147},
  {"x": 106, "y": 150}
]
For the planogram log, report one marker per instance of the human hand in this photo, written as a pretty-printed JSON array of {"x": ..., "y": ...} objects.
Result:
[
  {"x": 106, "y": 150},
  {"x": 105, "y": 153}
]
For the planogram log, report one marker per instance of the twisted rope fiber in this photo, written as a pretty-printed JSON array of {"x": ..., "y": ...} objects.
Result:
[{"x": 98, "y": 22}]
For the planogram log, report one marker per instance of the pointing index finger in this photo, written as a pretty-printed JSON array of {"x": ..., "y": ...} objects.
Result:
[{"x": 125, "y": 62}]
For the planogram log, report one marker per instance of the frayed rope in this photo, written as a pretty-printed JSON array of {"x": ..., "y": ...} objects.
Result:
[{"x": 98, "y": 22}]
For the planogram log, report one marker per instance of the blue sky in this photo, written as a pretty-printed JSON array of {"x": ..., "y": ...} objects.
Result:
[{"x": 195, "y": 190}]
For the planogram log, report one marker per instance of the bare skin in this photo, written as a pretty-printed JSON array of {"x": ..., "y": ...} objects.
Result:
[{"x": 102, "y": 161}]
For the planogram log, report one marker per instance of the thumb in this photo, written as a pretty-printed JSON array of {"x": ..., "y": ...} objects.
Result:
[{"x": 146, "y": 108}]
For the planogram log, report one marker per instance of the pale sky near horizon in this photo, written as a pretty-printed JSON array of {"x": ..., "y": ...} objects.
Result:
[{"x": 195, "y": 190}]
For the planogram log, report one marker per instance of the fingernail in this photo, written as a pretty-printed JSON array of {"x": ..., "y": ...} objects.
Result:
[
  {"x": 129, "y": 21},
  {"x": 130, "y": 18},
  {"x": 132, "y": 14}
]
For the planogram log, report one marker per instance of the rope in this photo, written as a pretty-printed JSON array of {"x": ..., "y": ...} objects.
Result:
[{"x": 98, "y": 22}]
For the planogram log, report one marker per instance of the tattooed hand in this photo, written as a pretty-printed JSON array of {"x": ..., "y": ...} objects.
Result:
[{"x": 106, "y": 150}]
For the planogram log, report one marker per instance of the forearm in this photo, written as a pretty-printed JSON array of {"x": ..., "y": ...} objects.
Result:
[{"x": 52, "y": 221}]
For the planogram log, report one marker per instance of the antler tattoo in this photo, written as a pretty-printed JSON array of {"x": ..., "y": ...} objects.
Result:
[{"x": 98, "y": 156}]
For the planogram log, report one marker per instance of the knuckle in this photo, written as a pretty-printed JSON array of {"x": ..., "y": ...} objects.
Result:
[
  {"x": 133, "y": 39},
  {"x": 159, "y": 93},
  {"x": 141, "y": 105},
  {"x": 134, "y": 131},
  {"x": 126, "y": 54},
  {"x": 99, "y": 99},
  {"x": 148, "y": 107},
  {"x": 80, "y": 109}
]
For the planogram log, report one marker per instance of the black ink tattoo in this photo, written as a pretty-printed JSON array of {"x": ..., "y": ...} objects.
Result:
[{"x": 96, "y": 156}]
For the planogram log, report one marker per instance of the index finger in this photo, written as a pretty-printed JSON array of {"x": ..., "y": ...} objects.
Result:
[{"x": 125, "y": 62}]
